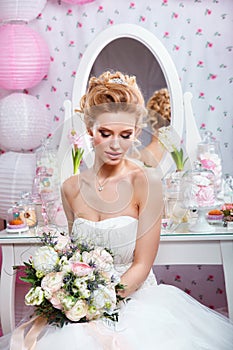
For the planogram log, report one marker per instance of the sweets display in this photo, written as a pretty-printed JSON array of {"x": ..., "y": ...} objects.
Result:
[
  {"x": 215, "y": 216},
  {"x": 16, "y": 221},
  {"x": 199, "y": 189},
  {"x": 227, "y": 210}
]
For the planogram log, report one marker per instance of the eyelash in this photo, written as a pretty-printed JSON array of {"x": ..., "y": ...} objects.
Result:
[{"x": 105, "y": 135}]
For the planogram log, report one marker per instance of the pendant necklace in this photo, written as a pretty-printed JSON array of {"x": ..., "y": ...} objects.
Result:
[{"x": 101, "y": 186}]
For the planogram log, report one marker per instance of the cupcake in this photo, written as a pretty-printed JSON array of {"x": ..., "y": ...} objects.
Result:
[{"x": 215, "y": 216}]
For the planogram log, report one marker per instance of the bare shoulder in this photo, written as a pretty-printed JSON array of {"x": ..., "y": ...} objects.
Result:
[
  {"x": 70, "y": 185},
  {"x": 145, "y": 177}
]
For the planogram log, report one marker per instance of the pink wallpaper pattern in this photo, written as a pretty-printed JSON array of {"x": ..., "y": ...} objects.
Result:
[{"x": 197, "y": 34}]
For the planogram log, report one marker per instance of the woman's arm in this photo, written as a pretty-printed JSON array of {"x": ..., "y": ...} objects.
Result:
[{"x": 149, "y": 192}]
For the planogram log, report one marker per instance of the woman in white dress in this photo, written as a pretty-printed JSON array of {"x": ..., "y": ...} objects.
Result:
[{"x": 118, "y": 203}]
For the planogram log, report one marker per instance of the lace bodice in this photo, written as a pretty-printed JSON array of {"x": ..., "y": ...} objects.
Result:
[{"x": 118, "y": 234}]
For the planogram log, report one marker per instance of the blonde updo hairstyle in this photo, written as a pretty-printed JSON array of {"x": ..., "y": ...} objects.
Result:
[
  {"x": 112, "y": 92},
  {"x": 159, "y": 109}
]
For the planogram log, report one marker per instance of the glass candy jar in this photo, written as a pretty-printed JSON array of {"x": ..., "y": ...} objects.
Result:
[
  {"x": 174, "y": 209},
  {"x": 16, "y": 221},
  {"x": 30, "y": 209},
  {"x": 208, "y": 154},
  {"x": 199, "y": 193}
]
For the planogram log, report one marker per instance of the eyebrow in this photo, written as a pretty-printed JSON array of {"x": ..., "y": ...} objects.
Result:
[{"x": 104, "y": 128}]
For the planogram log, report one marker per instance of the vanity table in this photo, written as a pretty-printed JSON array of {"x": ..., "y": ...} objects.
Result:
[{"x": 176, "y": 248}]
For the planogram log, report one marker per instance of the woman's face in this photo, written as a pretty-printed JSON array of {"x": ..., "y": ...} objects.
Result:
[{"x": 113, "y": 134}]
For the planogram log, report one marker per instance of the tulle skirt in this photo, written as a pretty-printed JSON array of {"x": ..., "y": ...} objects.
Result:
[{"x": 157, "y": 317}]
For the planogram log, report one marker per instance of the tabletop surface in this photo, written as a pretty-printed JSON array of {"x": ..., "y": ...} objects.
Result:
[{"x": 178, "y": 232}]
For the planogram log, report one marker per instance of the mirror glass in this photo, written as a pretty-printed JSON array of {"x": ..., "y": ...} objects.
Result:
[{"x": 131, "y": 57}]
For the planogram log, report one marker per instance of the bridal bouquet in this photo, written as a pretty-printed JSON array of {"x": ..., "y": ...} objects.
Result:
[{"x": 72, "y": 281}]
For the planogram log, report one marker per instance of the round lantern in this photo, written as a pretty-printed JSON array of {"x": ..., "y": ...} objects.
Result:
[
  {"x": 77, "y": 2},
  {"x": 20, "y": 10},
  {"x": 24, "y": 59},
  {"x": 24, "y": 122},
  {"x": 17, "y": 172}
]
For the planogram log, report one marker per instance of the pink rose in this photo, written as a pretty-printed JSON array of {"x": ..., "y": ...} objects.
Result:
[
  {"x": 80, "y": 268},
  {"x": 56, "y": 299},
  {"x": 227, "y": 206}
]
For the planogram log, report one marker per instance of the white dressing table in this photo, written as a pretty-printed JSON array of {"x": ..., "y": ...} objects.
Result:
[{"x": 177, "y": 248}]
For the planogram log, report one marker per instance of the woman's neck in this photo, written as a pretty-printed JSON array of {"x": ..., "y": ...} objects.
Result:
[{"x": 108, "y": 170}]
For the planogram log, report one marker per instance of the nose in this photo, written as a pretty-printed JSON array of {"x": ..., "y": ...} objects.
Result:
[{"x": 115, "y": 144}]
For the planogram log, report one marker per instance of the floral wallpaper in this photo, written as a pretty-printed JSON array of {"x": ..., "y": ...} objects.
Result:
[{"x": 197, "y": 34}]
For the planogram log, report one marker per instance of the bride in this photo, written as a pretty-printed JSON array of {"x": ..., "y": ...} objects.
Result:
[{"x": 118, "y": 204}]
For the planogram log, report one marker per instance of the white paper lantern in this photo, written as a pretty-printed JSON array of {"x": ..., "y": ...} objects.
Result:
[
  {"x": 23, "y": 10},
  {"x": 17, "y": 171},
  {"x": 24, "y": 122}
]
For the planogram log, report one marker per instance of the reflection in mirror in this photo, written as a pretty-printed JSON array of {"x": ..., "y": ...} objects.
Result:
[
  {"x": 159, "y": 115},
  {"x": 132, "y": 57}
]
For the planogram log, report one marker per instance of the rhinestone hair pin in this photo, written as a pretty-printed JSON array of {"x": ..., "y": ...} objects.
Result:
[{"x": 118, "y": 81}]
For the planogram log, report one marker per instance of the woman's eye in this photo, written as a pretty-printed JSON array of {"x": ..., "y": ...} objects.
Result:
[
  {"x": 104, "y": 133},
  {"x": 126, "y": 136}
]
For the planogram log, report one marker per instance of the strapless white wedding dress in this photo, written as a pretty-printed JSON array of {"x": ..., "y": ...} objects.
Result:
[{"x": 157, "y": 317}]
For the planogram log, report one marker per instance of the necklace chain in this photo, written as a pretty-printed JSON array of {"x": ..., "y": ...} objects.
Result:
[{"x": 101, "y": 186}]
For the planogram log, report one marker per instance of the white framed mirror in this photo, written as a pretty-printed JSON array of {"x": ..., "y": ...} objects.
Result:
[{"x": 161, "y": 57}]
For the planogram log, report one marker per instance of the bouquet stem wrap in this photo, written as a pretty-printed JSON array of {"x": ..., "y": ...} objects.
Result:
[{"x": 28, "y": 342}]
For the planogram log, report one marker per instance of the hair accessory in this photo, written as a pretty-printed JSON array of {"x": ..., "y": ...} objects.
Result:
[{"x": 117, "y": 81}]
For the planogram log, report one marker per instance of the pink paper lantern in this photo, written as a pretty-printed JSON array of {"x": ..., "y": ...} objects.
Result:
[
  {"x": 77, "y": 2},
  {"x": 20, "y": 10},
  {"x": 24, "y": 122},
  {"x": 17, "y": 172},
  {"x": 24, "y": 58}
]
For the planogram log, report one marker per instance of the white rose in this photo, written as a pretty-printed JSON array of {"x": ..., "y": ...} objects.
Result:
[
  {"x": 45, "y": 259},
  {"x": 52, "y": 282},
  {"x": 78, "y": 311},
  {"x": 62, "y": 242},
  {"x": 104, "y": 298},
  {"x": 35, "y": 296}
]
